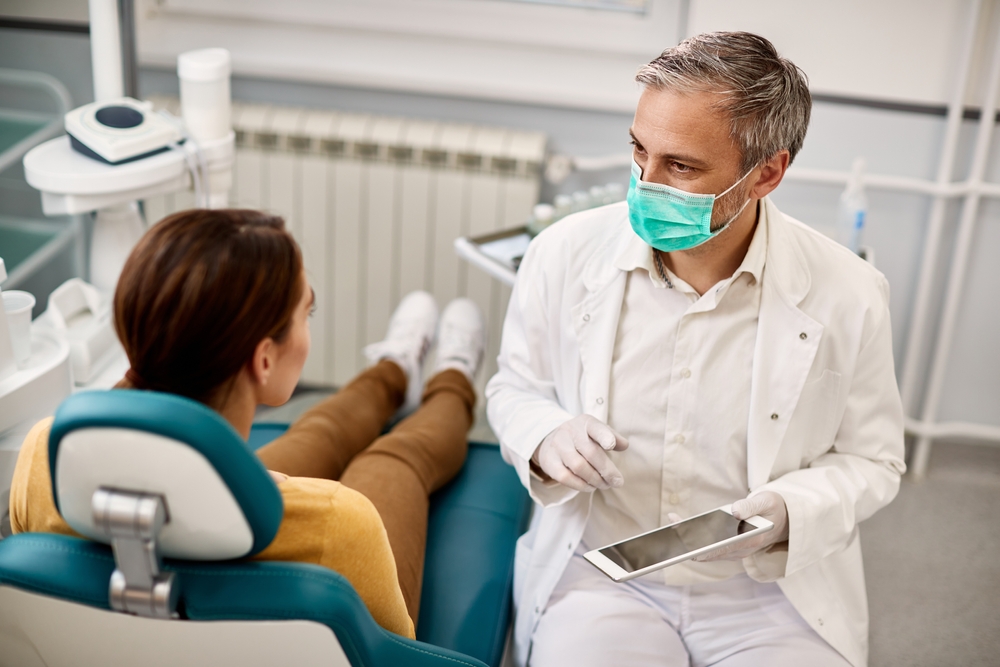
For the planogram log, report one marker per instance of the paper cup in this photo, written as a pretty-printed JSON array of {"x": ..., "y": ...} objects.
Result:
[{"x": 18, "y": 307}]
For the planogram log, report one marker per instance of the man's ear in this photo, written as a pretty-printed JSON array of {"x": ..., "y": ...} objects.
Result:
[
  {"x": 262, "y": 363},
  {"x": 771, "y": 173}
]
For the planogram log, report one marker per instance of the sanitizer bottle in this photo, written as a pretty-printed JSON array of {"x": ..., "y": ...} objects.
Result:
[{"x": 853, "y": 209}]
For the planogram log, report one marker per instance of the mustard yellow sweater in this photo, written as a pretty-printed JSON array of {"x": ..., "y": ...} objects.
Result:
[{"x": 324, "y": 523}]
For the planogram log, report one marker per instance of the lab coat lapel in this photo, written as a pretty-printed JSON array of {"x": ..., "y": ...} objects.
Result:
[
  {"x": 787, "y": 342},
  {"x": 595, "y": 322}
]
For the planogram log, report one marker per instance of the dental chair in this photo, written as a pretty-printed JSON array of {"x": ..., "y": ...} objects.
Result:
[{"x": 171, "y": 501}]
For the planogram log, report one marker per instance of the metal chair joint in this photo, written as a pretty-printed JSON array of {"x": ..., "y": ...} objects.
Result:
[{"x": 132, "y": 522}]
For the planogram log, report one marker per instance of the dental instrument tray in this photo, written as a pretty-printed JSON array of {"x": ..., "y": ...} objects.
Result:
[
  {"x": 498, "y": 254},
  {"x": 120, "y": 131}
]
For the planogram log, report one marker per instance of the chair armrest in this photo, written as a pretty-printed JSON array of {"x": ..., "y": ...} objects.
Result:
[{"x": 473, "y": 528}]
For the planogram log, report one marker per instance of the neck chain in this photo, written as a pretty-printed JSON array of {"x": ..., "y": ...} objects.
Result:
[{"x": 660, "y": 269}]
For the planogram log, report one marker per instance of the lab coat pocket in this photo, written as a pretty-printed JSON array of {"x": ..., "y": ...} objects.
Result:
[{"x": 814, "y": 423}]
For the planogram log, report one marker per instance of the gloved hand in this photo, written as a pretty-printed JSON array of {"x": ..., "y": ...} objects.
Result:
[
  {"x": 576, "y": 454},
  {"x": 767, "y": 504}
]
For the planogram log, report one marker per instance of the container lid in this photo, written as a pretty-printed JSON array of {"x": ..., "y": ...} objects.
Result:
[{"x": 204, "y": 65}]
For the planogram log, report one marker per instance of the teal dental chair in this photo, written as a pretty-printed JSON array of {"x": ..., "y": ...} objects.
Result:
[{"x": 172, "y": 501}]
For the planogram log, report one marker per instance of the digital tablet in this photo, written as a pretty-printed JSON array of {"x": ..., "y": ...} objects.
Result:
[{"x": 678, "y": 542}]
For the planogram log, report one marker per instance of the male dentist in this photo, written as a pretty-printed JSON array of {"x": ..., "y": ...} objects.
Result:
[{"x": 690, "y": 348}]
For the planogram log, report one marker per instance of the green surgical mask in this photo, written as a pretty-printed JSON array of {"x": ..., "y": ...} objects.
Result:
[{"x": 669, "y": 219}]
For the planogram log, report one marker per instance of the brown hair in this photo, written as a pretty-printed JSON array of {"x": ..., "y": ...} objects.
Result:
[{"x": 200, "y": 290}]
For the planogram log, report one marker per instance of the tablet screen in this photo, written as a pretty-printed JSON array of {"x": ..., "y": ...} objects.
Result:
[{"x": 673, "y": 541}]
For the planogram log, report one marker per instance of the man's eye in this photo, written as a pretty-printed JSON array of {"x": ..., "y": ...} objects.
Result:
[
  {"x": 681, "y": 168},
  {"x": 638, "y": 146}
]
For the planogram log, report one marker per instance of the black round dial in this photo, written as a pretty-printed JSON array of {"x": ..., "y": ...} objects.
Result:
[{"x": 119, "y": 117}]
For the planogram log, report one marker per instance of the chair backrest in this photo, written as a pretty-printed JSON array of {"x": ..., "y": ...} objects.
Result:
[
  {"x": 55, "y": 607},
  {"x": 220, "y": 501}
]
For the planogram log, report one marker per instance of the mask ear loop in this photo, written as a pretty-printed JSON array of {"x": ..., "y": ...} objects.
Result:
[
  {"x": 742, "y": 178},
  {"x": 730, "y": 221}
]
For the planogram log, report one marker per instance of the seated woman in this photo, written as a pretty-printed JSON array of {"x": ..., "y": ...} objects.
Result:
[{"x": 214, "y": 305}]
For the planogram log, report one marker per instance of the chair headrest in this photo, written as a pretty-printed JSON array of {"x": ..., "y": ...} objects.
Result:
[{"x": 221, "y": 502}]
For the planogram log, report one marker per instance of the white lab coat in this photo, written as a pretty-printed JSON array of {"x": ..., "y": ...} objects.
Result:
[{"x": 825, "y": 428}]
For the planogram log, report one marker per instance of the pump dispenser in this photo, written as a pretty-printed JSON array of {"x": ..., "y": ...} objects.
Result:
[{"x": 853, "y": 208}]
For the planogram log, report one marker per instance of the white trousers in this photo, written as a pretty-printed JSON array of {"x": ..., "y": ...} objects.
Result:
[{"x": 591, "y": 620}]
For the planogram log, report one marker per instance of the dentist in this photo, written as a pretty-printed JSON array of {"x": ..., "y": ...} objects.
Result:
[{"x": 689, "y": 348}]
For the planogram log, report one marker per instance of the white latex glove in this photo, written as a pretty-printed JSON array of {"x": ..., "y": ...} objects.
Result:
[
  {"x": 767, "y": 504},
  {"x": 576, "y": 454}
]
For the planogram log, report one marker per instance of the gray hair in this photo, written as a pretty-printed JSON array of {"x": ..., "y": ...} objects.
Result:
[{"x": 766, "y": 96}]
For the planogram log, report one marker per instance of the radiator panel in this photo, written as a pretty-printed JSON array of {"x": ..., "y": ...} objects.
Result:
[{"x": 375, "y": 204}]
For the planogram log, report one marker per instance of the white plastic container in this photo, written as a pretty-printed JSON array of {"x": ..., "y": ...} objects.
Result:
[
  {"x": 8, "y": 364},
  {"x": 563, "y": 206},
  {"x": 205, "y": 105},
  {"x": 542, "y": 215},
  {"x": 18, "y": 305},
  {"x": 615, "y": 192}
]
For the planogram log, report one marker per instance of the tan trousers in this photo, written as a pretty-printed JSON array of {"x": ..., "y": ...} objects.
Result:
[{"x": 340, "y": 439}]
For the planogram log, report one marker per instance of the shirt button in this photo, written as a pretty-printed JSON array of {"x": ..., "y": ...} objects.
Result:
[
  {"x": 803, "y": 335},
  {"x": 685, "y": 373},
  {"x": 774, "y": 416},
  {"x": 679, "y": 438},
  {"x": 675, "y": 499},
  {"x": 600, "y": 401},
  {"x": 586, "y": 318}
]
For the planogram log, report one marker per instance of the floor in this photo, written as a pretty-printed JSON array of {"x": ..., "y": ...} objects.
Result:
[
  {"x": 932, "y": 561},
  {"x": 932, "y": 557}
]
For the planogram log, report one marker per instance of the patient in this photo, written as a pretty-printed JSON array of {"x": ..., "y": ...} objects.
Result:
[{"x": 214, "y": 305}]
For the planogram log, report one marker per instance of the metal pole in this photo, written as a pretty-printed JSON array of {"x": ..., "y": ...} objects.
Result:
[
  {"x": 919, "y": 319},
  {"x": 919, "y": 322},
  {"x": 105, "y": 50},
  {"x": 956, "y": 277},
  {"x": 130, "y": 66}
]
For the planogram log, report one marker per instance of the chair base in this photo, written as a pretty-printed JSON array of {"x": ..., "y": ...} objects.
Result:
[{"x": 41, "y": 631}]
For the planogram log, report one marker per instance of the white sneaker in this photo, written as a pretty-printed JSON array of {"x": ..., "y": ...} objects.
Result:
[
  {"x": 461, "y": 338},
  {"x": 407, "y": 340}
]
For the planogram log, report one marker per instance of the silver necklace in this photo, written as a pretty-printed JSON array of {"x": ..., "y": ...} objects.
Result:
[{"x": 660, "y": 269}]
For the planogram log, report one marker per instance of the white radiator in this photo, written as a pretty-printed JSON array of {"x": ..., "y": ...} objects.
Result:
[{"x": 375, "y": 203}]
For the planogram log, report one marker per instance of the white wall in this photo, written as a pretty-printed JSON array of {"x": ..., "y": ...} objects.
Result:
[
  {"x": 533, "y": 53},
  {"x": 886, "y": 50},
  {"x": 903, "y": 50}
]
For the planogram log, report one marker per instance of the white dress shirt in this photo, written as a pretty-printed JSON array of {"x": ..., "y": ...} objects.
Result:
[{"x": 680, "y": 393}]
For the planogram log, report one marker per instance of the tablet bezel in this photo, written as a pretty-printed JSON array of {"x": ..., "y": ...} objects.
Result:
[{"x": 616, "y": 573}]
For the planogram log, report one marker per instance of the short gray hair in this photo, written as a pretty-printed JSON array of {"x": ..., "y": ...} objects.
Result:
[{"x": 766, "y": 96}]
